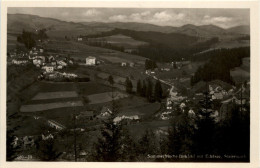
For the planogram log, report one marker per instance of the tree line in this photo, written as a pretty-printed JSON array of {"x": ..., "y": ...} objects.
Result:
[
  {"x": 220, "y": 63},
  {"x": 163, "y": 47},
  {"x": 29, "y": 38}
]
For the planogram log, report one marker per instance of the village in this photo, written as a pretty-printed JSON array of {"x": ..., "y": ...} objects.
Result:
[{"x": 54, "y": 68}]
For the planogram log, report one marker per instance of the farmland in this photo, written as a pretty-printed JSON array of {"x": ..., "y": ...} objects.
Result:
[
  {"x": 119, "y": 40},
  {"x": 105, "y": 97},
  {"x": 55, "y": 95},
  {"x": 48, "y": 106}
]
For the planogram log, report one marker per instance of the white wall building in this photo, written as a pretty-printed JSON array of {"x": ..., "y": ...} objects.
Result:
[{"x": 91, "y": 60}]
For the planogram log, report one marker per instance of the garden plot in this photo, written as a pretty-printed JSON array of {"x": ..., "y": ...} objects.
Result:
[
  {"x": 48, "y": 106},
  {"x": 105, "y": 97},
  {"x": 55, "y": 95}
]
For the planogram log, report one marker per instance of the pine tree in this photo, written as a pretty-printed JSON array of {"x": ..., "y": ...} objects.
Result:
[
  {"x": 47, "y": 150},
  {"x": 144, "y": 89},
  {"x": 158, "y": 91},
  {"x": 149, "y": 91},
  {"x": 128, "y": 85},
  {"x": 205, "y": 127},
  {"x": 127, "y": 152},
  {"x": 181, "y": 134},
  {"x": 139, "y": 87},
  {"x": 147, "y": 145},
  {"x": 107, "y": 147},
  {"x": 111, "y": 80}
]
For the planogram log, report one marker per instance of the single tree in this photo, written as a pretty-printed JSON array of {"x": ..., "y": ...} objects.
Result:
[
  {"x": 139, "y": 87},
  {"x": 111, "y": 80}
]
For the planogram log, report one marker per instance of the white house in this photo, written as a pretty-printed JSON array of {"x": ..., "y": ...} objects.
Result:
[
  {"x": 80, "y": 39},
  {"x": 91, "y": 60}
]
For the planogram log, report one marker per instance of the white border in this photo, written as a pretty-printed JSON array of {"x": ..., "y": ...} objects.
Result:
[{"x": 254, "y": 30}]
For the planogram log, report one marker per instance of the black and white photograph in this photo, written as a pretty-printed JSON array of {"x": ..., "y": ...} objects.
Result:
[{"x": 111, "y": 84}]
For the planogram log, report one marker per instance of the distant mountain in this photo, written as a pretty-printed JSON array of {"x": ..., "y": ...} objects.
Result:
[
  {"x": 244, "y": 29},
  {"x": 57, "y": 28}
]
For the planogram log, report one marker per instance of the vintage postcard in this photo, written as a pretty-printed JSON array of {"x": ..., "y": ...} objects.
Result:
[{"x": 126, "y": 84}]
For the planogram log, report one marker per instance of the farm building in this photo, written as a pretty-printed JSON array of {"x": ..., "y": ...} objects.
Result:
[
  {"x": 91, "y": 60},
  {"x": 19, "y": 61},
  {"x": 55, "y": 125}
]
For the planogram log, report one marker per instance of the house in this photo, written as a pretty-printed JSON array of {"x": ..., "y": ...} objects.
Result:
[
  {"x": 80, "y": 38},
  {"x": 86, "y": 115},
  {"x": 54, "y": 63},
  {"x": 130, "y": 50},
  {"x": 42, "y": 57},
  {"x": 105, "y": 112},
  {"x": 48, "y": 68},
  {"x": 91, "y": 60},
  {"x": 28, "y": 141},
  {"x": 50, "y": 136},
  {"x": 19, "y": 61},
  {"x": 51, "y": 58},
  {"x": 62, "y": 62},
  {"x": 120, "y": 118},
  {"x": 132, "y": 64},
  {"x": 55, "y": 125},
  {"x": 37, "y": 61},
  {"x": 59, "y": 67},
  {"x": 217, "y": 96},
  {"x": 169, "y": 104},
  {"x": 41, "y": 50},
  {"x": 123, "y": 64}
]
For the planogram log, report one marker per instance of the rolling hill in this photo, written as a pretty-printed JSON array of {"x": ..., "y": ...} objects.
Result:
[{"x": 57, "y": 28}]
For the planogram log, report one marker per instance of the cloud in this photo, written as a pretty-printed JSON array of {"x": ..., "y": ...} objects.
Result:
[
  {"x": 221, "y": 19},
  {"x": 162, "y": 16},
  {"x": 118, "y": 18},
  {"x": 91, "y": 12}
]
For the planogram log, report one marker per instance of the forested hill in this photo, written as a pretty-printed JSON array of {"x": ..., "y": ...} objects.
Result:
[
  {"x": 163, "y": 47},
  {"x": 220, "y": 64}
]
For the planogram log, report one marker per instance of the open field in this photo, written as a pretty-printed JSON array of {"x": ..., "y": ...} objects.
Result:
[
  {"x": 48, "y": 106},
  {"x": 119, "y": 40},
  {"x": 242, "y": 73},
  {"x": 55, "y": 95},
  {"x": 80, "y": 51},
  {"x": 105, "y": 97},
  {"x": 144, "y": 110}
]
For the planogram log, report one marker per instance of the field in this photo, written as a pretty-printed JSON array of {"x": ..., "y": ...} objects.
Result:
[
  {"x": 105, "y": 97},
  {"x": 55, "y": 95},
  {"x": 48, "y": 106},
  {"x": 80, "y": 51},
  {"x": 119, "y": 40},
  {"x": 242, "y": 73}
]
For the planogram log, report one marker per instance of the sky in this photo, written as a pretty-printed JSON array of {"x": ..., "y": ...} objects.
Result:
[{"x": 176, "y": 17}]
